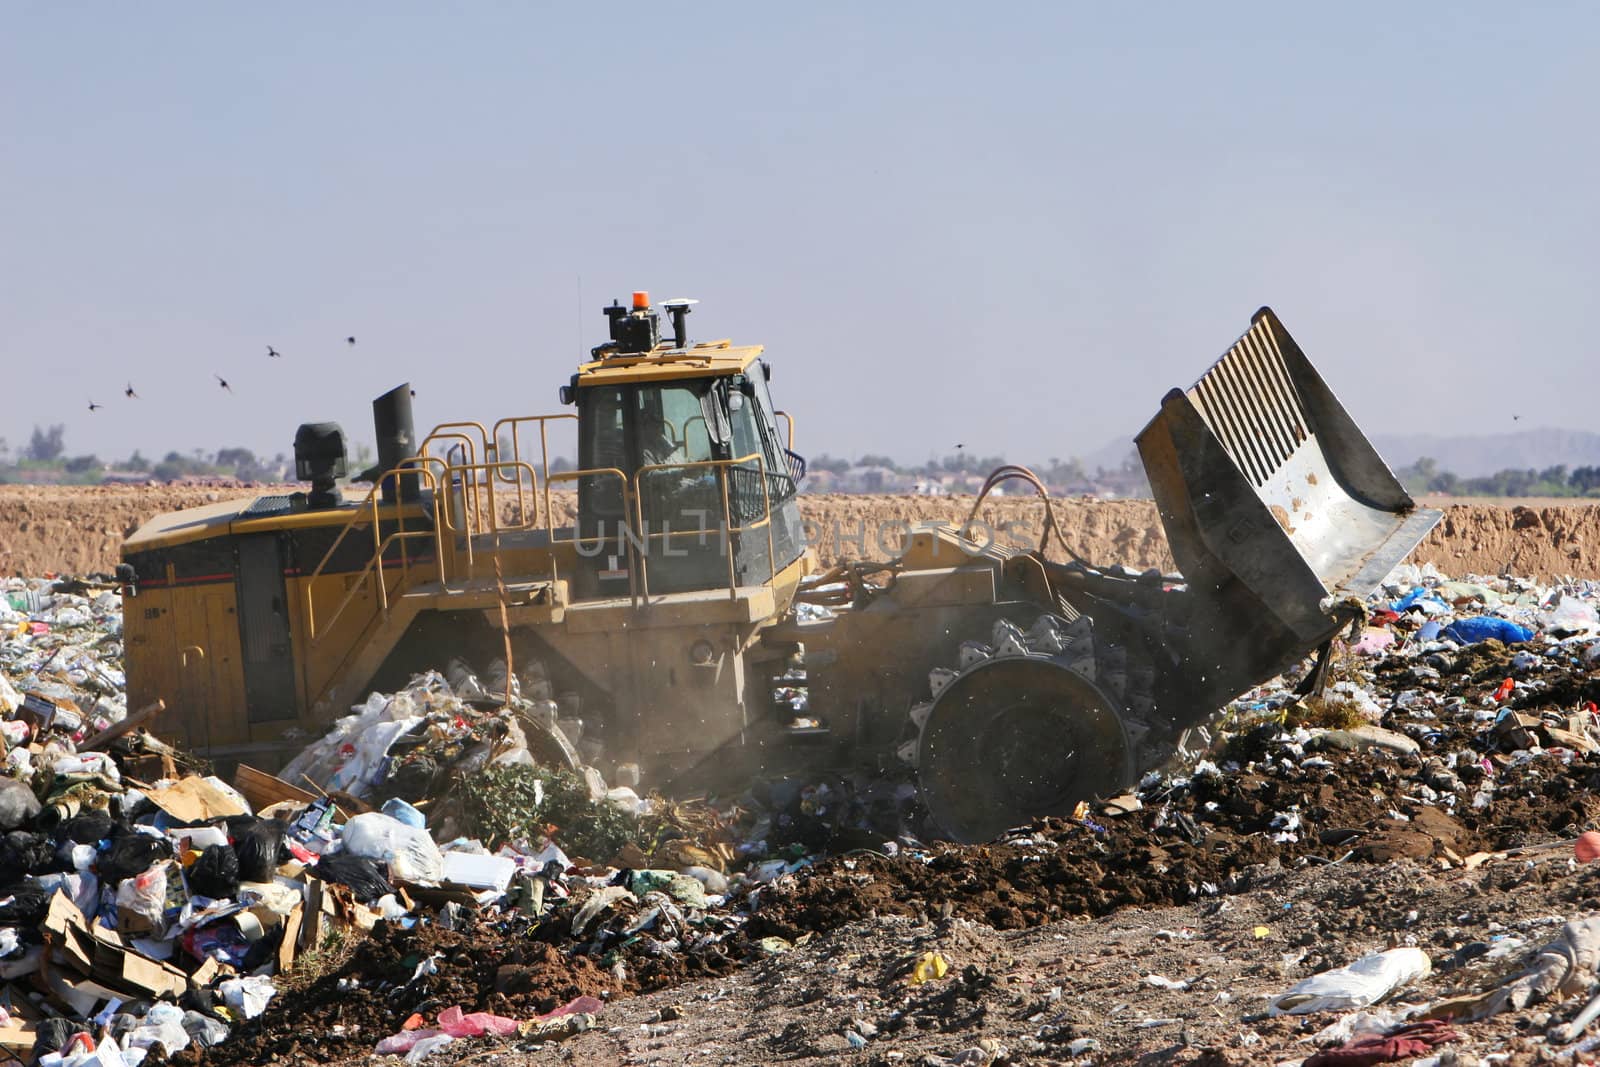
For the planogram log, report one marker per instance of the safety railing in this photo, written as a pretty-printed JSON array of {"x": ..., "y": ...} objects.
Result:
[
  {"x": 514, "y": 425},
  {"x": 722, "y": 469},
  {"x": 578, "y": 541},
  {"x": 369, "y": 512},
  {"x": 458, "y": 431},
  {"x": 472, "y": 507}
]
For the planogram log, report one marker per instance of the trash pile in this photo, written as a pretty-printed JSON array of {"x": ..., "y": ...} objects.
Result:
[
  {"x": 145, "y": 908},
  {"x": 437, "y": 868}
]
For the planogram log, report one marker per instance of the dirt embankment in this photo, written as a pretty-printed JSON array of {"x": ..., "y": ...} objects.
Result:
[{"x": 71, "y": 529}]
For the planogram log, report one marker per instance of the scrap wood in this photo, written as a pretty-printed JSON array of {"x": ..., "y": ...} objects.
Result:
[
  {"x": 116, "y": 730},
  {"x": 263, "y": 790}
]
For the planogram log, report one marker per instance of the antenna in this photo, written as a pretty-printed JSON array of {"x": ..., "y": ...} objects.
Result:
[{"x": 679, "y": 310}]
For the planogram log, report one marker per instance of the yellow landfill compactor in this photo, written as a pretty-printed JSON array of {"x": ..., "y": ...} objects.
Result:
[{"x": 648, "y": 635}]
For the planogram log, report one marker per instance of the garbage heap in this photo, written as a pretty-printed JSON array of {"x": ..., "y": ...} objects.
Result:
[
  {"x": 429, "y": 872},
  {"x": 413, "y": 878}
]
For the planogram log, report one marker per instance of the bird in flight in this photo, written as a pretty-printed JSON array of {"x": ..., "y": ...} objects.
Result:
[
  {"x": 349, "y": 340},
  {"x": 223, "y": 382},
  {"x": 273, "y": 353},
  {"x": 129, "y": 393},
  {"x": 1516, "y": 418},
  {"x": 93, "y": 406}
]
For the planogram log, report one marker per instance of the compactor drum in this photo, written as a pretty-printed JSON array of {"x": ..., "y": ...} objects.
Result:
[{"x": 646, "y": 638}]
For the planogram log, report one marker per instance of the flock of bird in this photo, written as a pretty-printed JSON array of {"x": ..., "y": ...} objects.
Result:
[{"x": 272, "y": 353}]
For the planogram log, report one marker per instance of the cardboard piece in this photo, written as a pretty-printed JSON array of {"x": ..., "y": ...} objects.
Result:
[
  {"x": 204, "y": 974},
  {"x": 67, "y": 932},
  {"x": 194, "y": 799},
  {"x": 78, "y": 994},
  {"x": 291, "y": 934},
  {"x": 17, "y": 1035},
  {"x": 116, "y": 965}
]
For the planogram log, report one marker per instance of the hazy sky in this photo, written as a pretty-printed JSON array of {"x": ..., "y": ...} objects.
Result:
[{"x": 1013, "y": 226}]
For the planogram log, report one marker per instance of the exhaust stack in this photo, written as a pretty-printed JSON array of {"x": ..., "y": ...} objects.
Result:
[{"x": 397, "y": 441}]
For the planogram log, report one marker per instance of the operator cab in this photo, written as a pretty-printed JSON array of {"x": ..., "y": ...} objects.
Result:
[{"x": 687, "y": 472}]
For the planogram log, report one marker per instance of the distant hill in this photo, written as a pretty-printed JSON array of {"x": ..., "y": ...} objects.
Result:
[
  {"x": 1461, "y": 454},
  {"x": 1484, "y": 454}
]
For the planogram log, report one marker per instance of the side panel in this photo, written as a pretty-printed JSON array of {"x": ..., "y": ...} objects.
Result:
[
  {"x": 267, "y": 651},
  {"x": 151, "y": 650},
  {"x": 210, "y": 685}
]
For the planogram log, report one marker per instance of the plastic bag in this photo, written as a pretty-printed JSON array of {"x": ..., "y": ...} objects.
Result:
[
  {"x": 24, "y": 853},
  {"x": 248, "y": 995},
  {"x": 427, "y": 1047},
  {"x": 1366, "y": 981},
  {"x": 261, "y": 849},
  {"x": 23, "y": 904},
  {"x": 129, "y": 854},
  {"x": 86, "y": 828},
  {"x": 458, "y": 1024},
  {"x": 216, "y": 873},
  {"x": 358, "y": 872},
  {"x": 18, "y": 805},
  {"x": 409, "y": 853},
  {"x": 83, "y": 887},
  {"x": 404, "y": 1041},
  {"x": 1475, "y": 628},
  {"x": 205, "y": 1030},
  {"x": 162, "y": 1026},
  {"x": 1570, "y": 616},
  {"x": 145, "y": 895}
]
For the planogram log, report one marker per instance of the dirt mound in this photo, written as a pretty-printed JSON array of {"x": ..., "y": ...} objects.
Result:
[{"x": 77, "y": 529}]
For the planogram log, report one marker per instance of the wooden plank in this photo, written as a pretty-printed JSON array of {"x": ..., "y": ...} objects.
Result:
[
  {"x": 116, "y": 730},
  {"x": 291, "y": 934},
  {"x": 262, "y": 789}
]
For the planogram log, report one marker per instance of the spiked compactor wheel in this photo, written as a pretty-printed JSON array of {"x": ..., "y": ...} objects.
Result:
[{"x": 1024, "y": 729}]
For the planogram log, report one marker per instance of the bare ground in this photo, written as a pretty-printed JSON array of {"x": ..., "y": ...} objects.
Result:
[{"x": 77, "y": 530}]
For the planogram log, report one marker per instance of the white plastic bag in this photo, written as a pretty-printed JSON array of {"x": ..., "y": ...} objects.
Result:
[
  {"x": 145, "y": 895},
  {"x": 427, "y": 1047},
  {"x": 410, "y": 853},
  {"x": 248, "y": 995},
  {"x": 1366, "y": 981}
]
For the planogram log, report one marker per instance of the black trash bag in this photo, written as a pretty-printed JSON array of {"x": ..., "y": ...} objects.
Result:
[
  {"x": 412, "y": 780},
  {"x": 50, "y": 1035},
  {"x": 261, "y": 850},
  {"x": 89, "y": 828},
  {"x": 22, "y": 853},
  {"x": 129, "y": 855},
  {"x": 234, "y": 825},
  {"x": 216, "y": 873},
  {"x": 364, "y": 877},
  {"x": 18, "y": 805},
  {"x": 23, "y": 904}
]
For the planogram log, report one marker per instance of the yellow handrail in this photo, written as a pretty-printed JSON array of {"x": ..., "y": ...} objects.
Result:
[
  {"x": 788, "y": 418},
  {"x": 515, "y": 422},
  {"x": 722, "y": 466},
  {"x": 368, "y": 510},
  {"x": 446, "y": 430}
]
